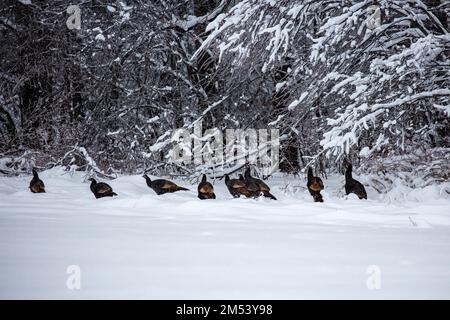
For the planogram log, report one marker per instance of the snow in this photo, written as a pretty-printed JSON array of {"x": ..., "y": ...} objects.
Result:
[
  {"x": 140, "y": 245},
  {"x": 153, "y": 120},
  {"x": 365, "y": 152},
  {"x": 100, "y": 37},
  {"x": 161, "y": 142},
  {"x": 280, "y": 39}
]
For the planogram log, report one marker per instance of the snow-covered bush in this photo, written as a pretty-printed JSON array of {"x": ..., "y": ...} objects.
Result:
[{"x": 365, "y": 79}]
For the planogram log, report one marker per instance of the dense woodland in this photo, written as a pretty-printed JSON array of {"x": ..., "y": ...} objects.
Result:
[{"x": 364, "y": 81}]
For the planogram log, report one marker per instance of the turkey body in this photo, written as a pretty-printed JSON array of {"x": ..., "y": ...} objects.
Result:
[
  {"x": 353, "y": 185},
  {"x": 162, "y": 186},
  {"x": 36, "y": 184}
]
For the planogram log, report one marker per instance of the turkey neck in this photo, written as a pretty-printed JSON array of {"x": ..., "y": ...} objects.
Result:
[{"x": 148, "y": 180}]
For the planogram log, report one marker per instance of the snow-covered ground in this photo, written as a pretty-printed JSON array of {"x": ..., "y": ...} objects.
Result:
[{"x": 175, "y": 246}]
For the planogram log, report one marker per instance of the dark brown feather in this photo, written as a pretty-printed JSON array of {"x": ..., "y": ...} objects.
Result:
[
  {"x": 314, "y": 185},
  {"x": 237, "y": 187},
  {"x": 205, "y": 189}
]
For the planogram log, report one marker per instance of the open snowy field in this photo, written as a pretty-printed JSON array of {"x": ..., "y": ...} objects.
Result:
[{"x": 175, "y": 246}]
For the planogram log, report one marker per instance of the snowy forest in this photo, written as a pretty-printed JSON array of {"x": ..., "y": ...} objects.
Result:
[
  {"x": 365, "y": 81},
  {"x": 100, "y": 99}
]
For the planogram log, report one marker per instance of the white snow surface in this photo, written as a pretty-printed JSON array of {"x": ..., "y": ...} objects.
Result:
[{"x": 175, "y": 246}]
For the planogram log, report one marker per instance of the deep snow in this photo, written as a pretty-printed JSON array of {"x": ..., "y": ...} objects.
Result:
[{"x": 175, "y": 246}]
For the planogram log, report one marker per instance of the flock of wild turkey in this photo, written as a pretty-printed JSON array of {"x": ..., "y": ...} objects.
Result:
[{"x": 246, "y": 186}]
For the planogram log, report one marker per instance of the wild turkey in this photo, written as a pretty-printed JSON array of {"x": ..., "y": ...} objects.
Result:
[
  {"x": 101, "y": 189},
  {"x": 256, "y": 186},
  {"x": 352, "y": 185},
  {"x": 237, "y": 187},
  {"x": 162, "y": 186},
  {"x": 205, "y": 189},
  {"x": 36, "y": 184},
  {"x": 315, "y": 185}
]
